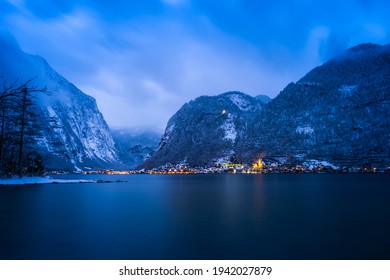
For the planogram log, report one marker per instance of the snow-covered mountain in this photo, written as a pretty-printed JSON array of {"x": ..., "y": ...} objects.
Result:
[
  {"x": 207, "y": 130},
  {"x": 74, "y": 134},
  {"x": 339, "y": 113},
  {"x": 135, "y": 145}
]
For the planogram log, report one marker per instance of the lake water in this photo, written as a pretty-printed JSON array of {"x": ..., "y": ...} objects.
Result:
[{"x": 268, "y": 216}]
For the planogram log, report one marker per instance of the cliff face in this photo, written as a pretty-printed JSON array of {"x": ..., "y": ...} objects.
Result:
[{"x": 73, "y": 133}]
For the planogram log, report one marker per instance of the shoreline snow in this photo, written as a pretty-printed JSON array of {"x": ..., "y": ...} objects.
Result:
[{"x": 40, "y": 180}]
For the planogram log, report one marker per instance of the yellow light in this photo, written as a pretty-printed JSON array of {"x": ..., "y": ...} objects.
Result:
[{"x": 258, "y": 164}]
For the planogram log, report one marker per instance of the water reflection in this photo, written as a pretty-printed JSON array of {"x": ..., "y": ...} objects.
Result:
[{"x": 264, "y": 216}]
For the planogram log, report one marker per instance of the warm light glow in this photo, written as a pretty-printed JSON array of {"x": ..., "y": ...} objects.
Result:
[
  {"x": 258, "y": 164},
  {"x": 233, "y": 165}
]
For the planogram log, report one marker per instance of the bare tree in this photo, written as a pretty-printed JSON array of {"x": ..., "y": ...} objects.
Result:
[{"x": 18, "y": 125}]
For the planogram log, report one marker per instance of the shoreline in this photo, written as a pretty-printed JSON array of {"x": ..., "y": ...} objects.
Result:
[
  {"x": 48, "y": 180},
  {"x": 35, "y": 180}
]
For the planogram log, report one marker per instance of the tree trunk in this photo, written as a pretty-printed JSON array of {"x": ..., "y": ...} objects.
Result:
[
  {"x": 22, "y": 125},
  {"x": 2, "y": 130}
]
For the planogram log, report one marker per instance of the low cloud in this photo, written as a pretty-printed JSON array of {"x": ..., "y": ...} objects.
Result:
[{"x": 142, "y": 68}]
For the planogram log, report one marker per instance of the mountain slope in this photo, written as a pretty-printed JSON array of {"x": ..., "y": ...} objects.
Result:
[
  {"x": 339, "y": 112},
  {"x": 134, "y": 146},
  {"x": 74, "y": 134},
  {"x": 207, "y": 130}
]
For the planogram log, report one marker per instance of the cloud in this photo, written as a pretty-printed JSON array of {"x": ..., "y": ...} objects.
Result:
[
  {"x": 164, "y": 69},
  {"x": 152, "y": 72},
  {"x": 174, "y": 2},
  {"x": 16, "y": 3},
  {"x": 142, "y": 62}
]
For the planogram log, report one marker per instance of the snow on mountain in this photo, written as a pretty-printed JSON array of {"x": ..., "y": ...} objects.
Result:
[
  {"x": 240, "y": 102},
  {"x": 165, "y": 137},
  {"x": 134, "y": 145},
  {"x": 207, "y": 129},
  {"x": 346, "y": 89},
  {"x": 304, "y": 130},
  {"x": 74, "y": 134},
  {"x": 337, "y": 114},
  {"x": 229, "y": 128}
]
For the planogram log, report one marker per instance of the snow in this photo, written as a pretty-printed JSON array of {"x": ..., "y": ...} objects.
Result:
[
  {"x": 169, "y": 130},
  {"x": 39, "y": 180},
  {"x": 309, "y": 83},
  {"x": 313, "y": 163},
  {"x": 304, "y": 130},
  {"x": 167, "y": 134},
  {"x": 42, "y": 141},
  {"x": 77, "y": 168},
  {"x": 225, "y": 159},
  {"x": 229, "y": 128},
  {"x": 281, "y": 160},
  {"x": 347, "y": 89},
  {"x": 76, "y": 122},
  {"x": 240, "y": 102},
  {"x": 52, "y": 113},
  {"x": 300, "y": 156}
]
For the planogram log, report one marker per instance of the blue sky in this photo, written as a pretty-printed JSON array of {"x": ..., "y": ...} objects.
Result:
[{"x": 142, "y": 60}]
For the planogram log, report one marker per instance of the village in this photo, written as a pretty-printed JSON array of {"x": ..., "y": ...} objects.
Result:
[{"x": 258, "y": 167}]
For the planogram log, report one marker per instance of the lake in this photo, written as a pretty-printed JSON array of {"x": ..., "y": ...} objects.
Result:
[{"x": 263, "y": 216}]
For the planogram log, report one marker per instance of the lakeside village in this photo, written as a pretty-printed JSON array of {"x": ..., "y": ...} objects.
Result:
[{"x": 259, "y": 167}]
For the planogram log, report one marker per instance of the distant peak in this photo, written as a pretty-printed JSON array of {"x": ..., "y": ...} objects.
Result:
[
  {"x": 232, "y": 93},
  {"x": 364, "y": 47},
  {"x": 263, "y": 98},
  {"x": 367, "y": 49}
]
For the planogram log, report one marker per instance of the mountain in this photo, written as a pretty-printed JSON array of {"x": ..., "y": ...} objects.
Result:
[
  {"x": 263, "y": 98},
  {"x": 339, "y": 112},
  {"x": 135, "y": 145},
  {"x": 209, "y": 129},
  {"x": 73, "y": 133}
]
